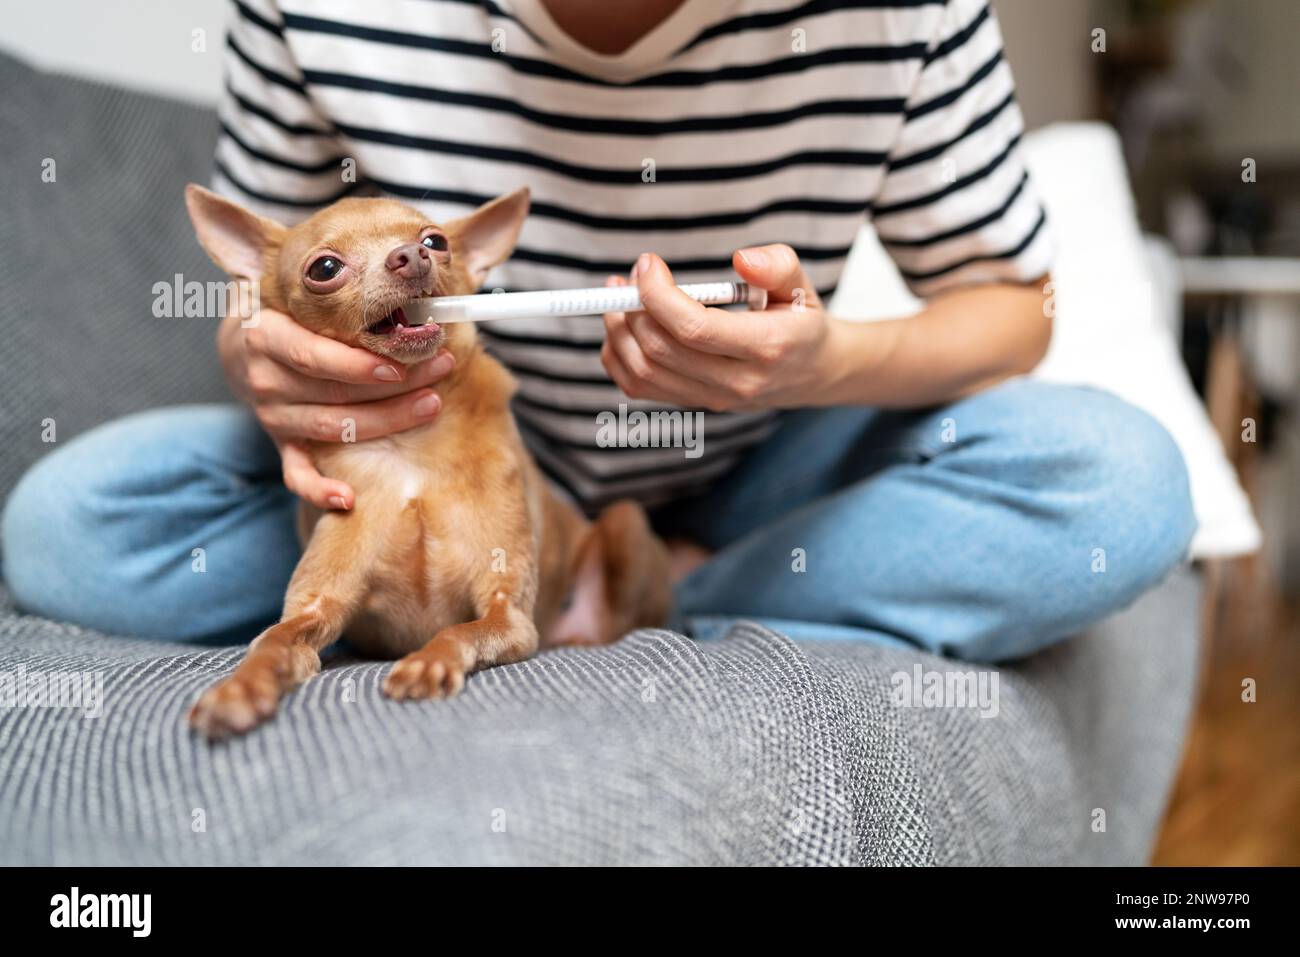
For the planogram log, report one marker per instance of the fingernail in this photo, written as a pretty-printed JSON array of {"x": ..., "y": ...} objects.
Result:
[
  {"x": 338, "y": 501},
  {"x": 753, "y": 258},
  {"x": 387, "y": 374},
  {"x": 442, "y": 364},
  {"x": 642, "y": 264},
  {"x": 428, "y": 405}
]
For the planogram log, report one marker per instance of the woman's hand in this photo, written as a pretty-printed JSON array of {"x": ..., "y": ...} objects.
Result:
[
  {"x": 793, "y": 354},
  {"x": 680, "y": 352},
  {"x": 302, "y": 386}
]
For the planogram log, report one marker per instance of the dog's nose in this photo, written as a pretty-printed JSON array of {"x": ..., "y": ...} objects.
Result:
[{"x": 410, "y": 261}]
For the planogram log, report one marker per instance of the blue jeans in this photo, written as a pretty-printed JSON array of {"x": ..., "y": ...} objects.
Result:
[{"x": 984, "y": 530}]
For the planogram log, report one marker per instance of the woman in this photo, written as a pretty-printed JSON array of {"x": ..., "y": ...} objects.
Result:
[{"x": 878, "y": 481}]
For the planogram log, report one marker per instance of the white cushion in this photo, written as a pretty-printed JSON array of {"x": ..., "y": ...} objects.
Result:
[{"x": 1115, "y": 308}]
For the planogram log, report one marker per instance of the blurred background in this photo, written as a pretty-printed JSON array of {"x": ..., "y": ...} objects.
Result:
[{"x": 1205, "y": 95}]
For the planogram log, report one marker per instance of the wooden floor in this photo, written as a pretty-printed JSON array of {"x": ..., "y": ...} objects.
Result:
[{"x": 1237, "y": 800}]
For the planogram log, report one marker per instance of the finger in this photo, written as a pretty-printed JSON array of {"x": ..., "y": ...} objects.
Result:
[
  {"x": 271, "y": 381},
  {"x": 614, "y": 281},
  {"x": 319, "y": 356},
  {"x": 645, "y": 379},
  {"x": 614, "y": 322},
  {"x": 351, "y": 423},
  {"x": 691, "y": 324},
  {"x": 664, "y": 351},
  {"x": 655, "y": 345},
  {"x": 700, "y": 397},
  {"x": 626, "y": 382},
  {"x": 777, "y": 269},
  {"x": 302, "y": 479}
]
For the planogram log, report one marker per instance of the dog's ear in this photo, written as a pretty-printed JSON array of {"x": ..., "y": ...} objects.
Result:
[
  {"x": 236, "y": 239},
  {"x": 487, "y": 236}
]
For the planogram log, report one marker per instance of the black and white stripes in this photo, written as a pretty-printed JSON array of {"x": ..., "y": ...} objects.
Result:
[{"x": 733, "y": 123}]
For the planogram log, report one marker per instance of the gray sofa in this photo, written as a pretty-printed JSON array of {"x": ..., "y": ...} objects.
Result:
[{"x": 751, "y": 749}]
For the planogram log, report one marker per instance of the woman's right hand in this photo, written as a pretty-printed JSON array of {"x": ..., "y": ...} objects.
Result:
[{"x": 303, "y": 386}]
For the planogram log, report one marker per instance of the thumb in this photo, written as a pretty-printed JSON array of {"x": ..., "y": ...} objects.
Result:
[{"x": 777, "y": 269}]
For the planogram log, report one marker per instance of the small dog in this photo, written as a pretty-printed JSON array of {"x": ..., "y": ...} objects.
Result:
[{"x": 456, "y": 555}]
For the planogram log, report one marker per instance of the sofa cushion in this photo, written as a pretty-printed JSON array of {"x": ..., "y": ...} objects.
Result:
[
  {"x": 750, "y": 749},
  {"x": 79, "y": 258}
]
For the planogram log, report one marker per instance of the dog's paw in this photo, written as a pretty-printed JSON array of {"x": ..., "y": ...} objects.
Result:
[
  {"x": 427, "y": 673},
  {"x": 236, "y": 705}
]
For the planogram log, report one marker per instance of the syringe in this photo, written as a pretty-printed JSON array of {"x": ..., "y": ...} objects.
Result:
[{"x": 570, "y": 302}]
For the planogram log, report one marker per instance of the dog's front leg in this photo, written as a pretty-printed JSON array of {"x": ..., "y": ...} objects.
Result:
[
  {"x": 326, "y": 588},
  {"x": 279, "y": 659},
  {"x": 503, "y": 634}
]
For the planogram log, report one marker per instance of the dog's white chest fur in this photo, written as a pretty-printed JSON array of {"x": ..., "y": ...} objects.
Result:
[{"x": 381, "y": 467}]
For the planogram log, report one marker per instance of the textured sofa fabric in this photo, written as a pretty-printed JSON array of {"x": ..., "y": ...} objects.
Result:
[
  {"x": 747, "y": 749},
  {"x": 81, "y": 255},
  {"x": 744, "y": 750}
]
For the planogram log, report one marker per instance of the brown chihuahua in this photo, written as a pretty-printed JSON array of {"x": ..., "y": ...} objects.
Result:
[{"x": 456, "y": 555}]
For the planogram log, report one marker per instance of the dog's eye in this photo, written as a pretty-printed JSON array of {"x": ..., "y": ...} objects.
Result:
[
  {"x": 324, "y": 269},
  {"x": 436, "y": 242}
]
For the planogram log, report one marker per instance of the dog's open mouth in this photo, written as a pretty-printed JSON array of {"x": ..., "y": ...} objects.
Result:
[{"x": 398, "y": 324}]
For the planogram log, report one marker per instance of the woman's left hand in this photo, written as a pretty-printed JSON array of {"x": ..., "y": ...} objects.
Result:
[{"x": 680, "y": 352}]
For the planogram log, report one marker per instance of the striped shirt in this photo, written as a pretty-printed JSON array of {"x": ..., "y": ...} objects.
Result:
[{"x": 732, "y": 123}]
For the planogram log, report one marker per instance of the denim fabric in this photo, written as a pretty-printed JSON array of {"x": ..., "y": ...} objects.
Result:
[{"x": 985, "y": 529}]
